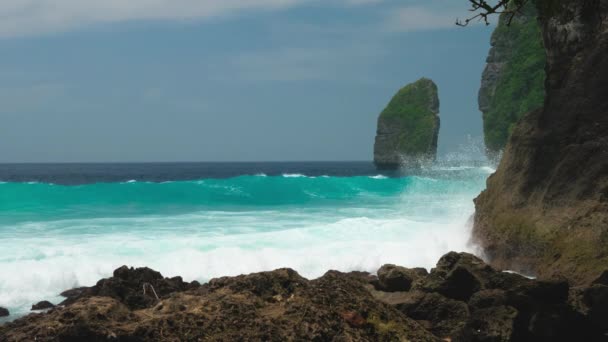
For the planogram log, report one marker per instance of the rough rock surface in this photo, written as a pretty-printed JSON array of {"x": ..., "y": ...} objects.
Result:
[
  {"x": 43, "y": 305},
  {"x": 281, "y": 305},
  {"x": 545, "y": 210},
  {"x": 408, "y": 127},
  {"x": 3, "y": 312},
  {"x": 512, "y": 83}
]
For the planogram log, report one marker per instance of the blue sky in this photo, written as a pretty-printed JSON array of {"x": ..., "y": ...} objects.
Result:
[{"x": 230, "y": 80}]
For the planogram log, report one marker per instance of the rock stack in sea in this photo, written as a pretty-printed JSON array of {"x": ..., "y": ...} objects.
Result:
[
  {"x": 408, "y": 127},
  {"x": 461, "y": 299}
]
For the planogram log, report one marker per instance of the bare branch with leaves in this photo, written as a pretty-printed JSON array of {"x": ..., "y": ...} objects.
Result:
[{"x": 483, "y": 9}]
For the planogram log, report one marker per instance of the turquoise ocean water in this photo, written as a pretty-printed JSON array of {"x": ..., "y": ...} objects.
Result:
[{"x": 55, "y": 236}]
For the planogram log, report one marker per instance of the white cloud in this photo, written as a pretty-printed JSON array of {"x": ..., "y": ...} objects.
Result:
[
  {"x": 304, "y": 64},
  {"x": 417, "y": 18},
  {"x": 29, "y": 17}
]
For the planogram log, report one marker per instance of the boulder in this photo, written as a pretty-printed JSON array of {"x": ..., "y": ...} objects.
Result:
[
  {"x": 458, "y": 276},
  {"x": 445, "y": 316},
  {"x": 392, "y": 278},
  {"x": 4, "y": 312},
  {"x": 596, "y": 299},
  {"x": 492, "y": 324},
  {"x": 135, "y": 287},
  {"x": 43, "y": 305}
]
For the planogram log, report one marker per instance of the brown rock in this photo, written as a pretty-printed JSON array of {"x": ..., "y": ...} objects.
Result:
[
  {"x": 43, "y": 305},
  {"x": 545, "y": 210}
]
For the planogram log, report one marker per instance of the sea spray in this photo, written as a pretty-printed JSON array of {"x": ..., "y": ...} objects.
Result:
[{"x": 55, "y": 237}]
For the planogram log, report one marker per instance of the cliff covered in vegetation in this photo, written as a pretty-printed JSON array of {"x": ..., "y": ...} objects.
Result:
[
  {"x": 408, "y": 127},
  {"x": 545, "y": 210},
  {"x": 513, "y": 80}
]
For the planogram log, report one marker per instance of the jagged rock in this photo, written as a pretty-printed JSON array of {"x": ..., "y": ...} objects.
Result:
[
  {"x": 281, "y": 305},
  {"x": 4, "y": 312},
  {"x": 445, "y": 316},
  {"x": 268, "y": 306},
  {"x": 408, "y": 127},
  {"x": 43, "y": 305},
  {"x": 131, "y": 286},
  {"x": 487, "y": 298},
  {"x": 392, "y": 278},
  {"x": 496, "y": 323},
  {"x": 75, "y": 292},
  {"x": 457, "y": 276},
  {"x": 545, "y": 210},
  {"x": 596, "y": 299}
]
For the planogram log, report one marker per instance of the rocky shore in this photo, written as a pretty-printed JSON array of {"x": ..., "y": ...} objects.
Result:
[{"x": 461, "y": 299}]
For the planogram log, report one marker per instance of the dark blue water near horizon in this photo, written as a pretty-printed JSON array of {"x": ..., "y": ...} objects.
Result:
[{"x": 87, "y": 173}]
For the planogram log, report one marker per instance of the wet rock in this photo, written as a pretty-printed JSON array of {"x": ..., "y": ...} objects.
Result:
[
  {"x": 486, "y": 299},
  {"x": 4, "y": 312},
  {"x": 75, "y": 292},
  {"x": 445, "y": 316},
  {"x": 489, "y": 325},
  {"x": 269, "y": 306},
  {"x": 392, "y": 278},
  {"x": 602, "y": 279},
  {"x": 596, "y": 298},
  {"x": 457, "y": 276},
  {"x": 43, "y": 305},
  {"x": 267, "y": 285},
  {"x": 135, "y": 287}
]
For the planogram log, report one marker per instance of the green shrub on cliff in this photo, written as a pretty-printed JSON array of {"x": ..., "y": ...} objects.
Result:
[{"x": 520, "y": 85}]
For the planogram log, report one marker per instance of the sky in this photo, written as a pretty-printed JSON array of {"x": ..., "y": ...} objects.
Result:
[{"x": 227, "y": 80}]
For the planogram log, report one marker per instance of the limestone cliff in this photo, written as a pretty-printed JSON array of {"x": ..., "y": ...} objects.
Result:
[
  {"x": 545, "y": 210},
  {"x": 408, "y": 127},
  {"x": 512, "y": 82}
]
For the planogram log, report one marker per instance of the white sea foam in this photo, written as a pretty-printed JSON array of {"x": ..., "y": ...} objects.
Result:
[
  {"x": 487, "y": 169},
  {"x": 41, "y": 259},
  {"x": 378, "y": 177},
  {"x": 293, "y": 175}
]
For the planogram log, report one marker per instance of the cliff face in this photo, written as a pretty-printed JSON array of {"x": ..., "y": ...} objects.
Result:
[
  {"x": 408, "y": 127},
  {"x": 512, "y": 82},
  {"x": 545, "y": 209}
]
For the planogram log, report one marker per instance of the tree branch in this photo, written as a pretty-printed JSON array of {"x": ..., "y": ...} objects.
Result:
[{"x": 482, "y": 10}]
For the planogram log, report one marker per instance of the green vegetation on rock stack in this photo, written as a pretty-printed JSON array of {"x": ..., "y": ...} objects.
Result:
[
  {"x": 409, "y": 125},
  {"x": 513, "y": 81}
]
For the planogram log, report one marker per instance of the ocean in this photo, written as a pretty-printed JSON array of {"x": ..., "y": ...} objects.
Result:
[{"x": 69, "y": 225}]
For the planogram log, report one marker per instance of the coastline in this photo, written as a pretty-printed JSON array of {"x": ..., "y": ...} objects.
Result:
[{"x": 461, "y": 299}]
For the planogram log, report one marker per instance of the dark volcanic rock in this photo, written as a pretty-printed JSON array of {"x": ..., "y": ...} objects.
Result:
[
  {"x": 268, "y": 306},
  {"x": 43, "y": 305},
  {"x": 392, "y": 278},
  {"x": 457, "y": 276},
  {"x": 283, "y": 306},
  {"x": 596, "y": 298},
  {"x": 131, "y": 286},
  {"x": 445, "y": 316},
  {"x": 3, "y": 312},
  {"x": 545, "y": 210},
  {"x": 496, "y": 323}
]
